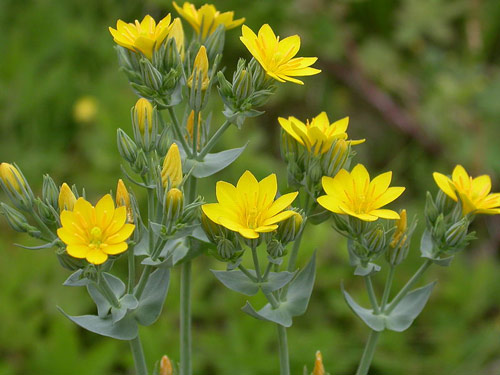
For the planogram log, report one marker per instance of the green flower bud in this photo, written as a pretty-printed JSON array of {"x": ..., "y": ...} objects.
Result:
[
  {"x": 439, "y": 228},
  {"x": 258, "y": 75},
  {"x": 173, "y": 205},
  {"x": 15, "y": 219},
  {"x": 456, "y": 234},
  {"x": 375, "y": 240},
  {"x": 127, "y": 59},
  {"x": 444, "y": 203},
  {"x": 340, "y": 223},
  {"x": 336, "y": 157},
  {"x": 126, "y": 147},
  {"x": 50, "y": 192},
  {"x": 356, "y": 226},
  {"x": 289, "y": 147},
  {"x": 431, "y": 211},
  {"x": 46, "y": 211},
  {"x": 275, "y": 249},
  {"x": 15, "y": 185},
  {"x": 226, "y": 249},
  {"x": 242, "y": 85},
  {"x": 211, "y": 229},
  {"x": 215, "y": 42},
  {"x": 69, "y": 262},
  {"x": 151, "y": 77},
  {"x": 141, "y": 163},
  {"x": 313, "y": 173},
  {"x": 289, "y": 229},
  {"x": 225, "y": 87}
]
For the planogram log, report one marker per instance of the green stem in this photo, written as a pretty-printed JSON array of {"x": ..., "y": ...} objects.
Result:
[
  {"x": 406, "y": 289},
  {"x": 142, "y": 281},
  {"x": 131, "y": 271},
  {"x": 105, "y": 289},
  {"x": 256, "y": 264},
  {"x": 185, "y": 365},
  {"x": 292, "y": 262},
  {"x": 247, "y": 273},
  {"x": 138, "y": 354},
  {"x": 211, "y": 143},
  {"x": 387, "y": 288},
  {"x": 366, "y": 359},
  {"x": 371, "y": 294},
  {"x": 283, "y": 350},
  {"x": 43, "y": 226},
  {"x": 266, "y": 272},
  {"x": 178, "y": 131}
]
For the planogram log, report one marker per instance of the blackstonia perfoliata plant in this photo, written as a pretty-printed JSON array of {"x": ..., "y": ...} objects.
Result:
[{"x": 168, "y": 153}]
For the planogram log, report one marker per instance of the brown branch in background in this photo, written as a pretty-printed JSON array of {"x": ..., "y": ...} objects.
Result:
[{"x": 353, "y": 77}]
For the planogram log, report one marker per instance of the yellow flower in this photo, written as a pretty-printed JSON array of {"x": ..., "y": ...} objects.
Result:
[
  {"x": 318, "y": 134},
  {"x": 200, "y": 65},
  {"x": 190, "y": 127},
  {"x": 142, "y": 36},
  {"x": 207, "y": 17},
  {"x": 474, "y": 193},
  {"x": 171, "y": 172},
  {"x": 66, "y": 199},
  {"x": 276, "y": 57},
  {"x": 93, "y": 233},
  {"x": 123, "y": 199},
  {"x": 143, "y": 113},
  {"x": 319, "y": 369},
  {"x": 177, "y": 33},
  {"x": 11, "y": 177},
  {"x": 249, "y": 207},
  {"x": 355, "y": 195}
]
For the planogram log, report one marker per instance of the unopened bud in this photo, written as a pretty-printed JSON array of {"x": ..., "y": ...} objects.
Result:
[
  {"x": 66, "y": 199},
  {"x": 400, "y": 242},
  {"x": 151, "y": 77},
  {"x": 16, "y": 220},
  {"x": 289, "y": 229},
  {"x": 226, "y": 249},
  {"x": 69, "y": 262},
  {"x": 165, "y": 364},
  {"x": 123, "y": 199},
  {"x": 143, "y": 115},
  {"x": 12, "y": 178},
  {"x": 341, "y": 224},
  {"x": 275, "y": 249},
  {"x": 190, "y": 127},
  {"x": 319, "y": 369},
  {"x": 375, "y": 240},
  {"x": 431, "y": 211},
  {"x": 401, "y": 227},
  {"x": 444, "y": 203},
  {"x": 356, "y": 226},
  {"x": 174, "y": 205},
  {"x": 171, "y": 173},
  {"x": 215, "y": 42},
  {"x": 242, "y": 86},
  {"x": 456, "y": 234},
  {"x": 50, "y": 192},
  {"x": 336, "y": 157},
  {"x": 225, "y": 87},
  {"x": 212, "y": 230},
  {"x": 439, "y": 228},
  {"x": 126, "y": 147},
  {"x": 289, "y": 147},
  {"x": 200, "y": 70}
]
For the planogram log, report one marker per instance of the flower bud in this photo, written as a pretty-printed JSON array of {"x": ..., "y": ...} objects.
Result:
[
  {"x": 126, "y": 147},
  {"x": 66, "y": 199},
  {"x": 50, "y": 192},
  {"x": 242, "y": 85},
  {"x": 190, "y": 127},
  {"x": 16, "y": 220},
  {"x": 215, "y": 42},
  {"x": 165, "y": 364},
  {"x": 439, "y": 228},
  {"x": 151, "y": 77},
  {"x": 336, "y": 157},
  {"x": 143, "y": 115},
  {"x": 212, "y": 230},
  {"x": 258, "y": 75},
  {"x": 225, "y": 87},
  {"x": 401, "y": 227},
  {"x": 314, "y": 173},
  {"x": 340, "y": 223},
  {"x": 141, "y": 163},
  {"x": 171, "y": 173},
  {"x": 444, "y": 203},
  {"x": 356, "y": 226},
  {"x": 319, "y": 369},
  {"x": 275, "y": 249},
  {"x": 375, "y": 240},
  {"x": 400, "y": 242},
  {"x": 123, "y": 199},
  {"x": 456, "y": 234},
  {"x": 12, "y": 178},
  {"x": 69, "y": 262},
  {"x": 431, "y": 211},
  {"x": 200, "y": 70},
  {"x": 173, "y": 205},
  {"x": 289, "y": 229},
  {"x": 226, "y": 249}
]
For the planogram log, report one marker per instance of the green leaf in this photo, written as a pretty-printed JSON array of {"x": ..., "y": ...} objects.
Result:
[
  {"x": 116, "y": 285},
  {"x": 212, "y": 163},
  {"x": 375, "y": 322},
  {"x": 76, "y": 279},
  {"x": 125, "y": 329},
  {"x": 127, "y": 303},
  {"x": 153, "y": 297},
  {"x": 100, "y": 301},
  {"x": 276, "y": 280},
  {"x": 280, "y": 315},
  {"x": 237, "y": 281},
  {"x": 402, "y": 317},
  {"x": 427, "y": 250},
  {"x": 366, "y": 270}
]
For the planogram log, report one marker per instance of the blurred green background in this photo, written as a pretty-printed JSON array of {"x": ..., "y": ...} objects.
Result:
[{"x": 420, "y": 81}]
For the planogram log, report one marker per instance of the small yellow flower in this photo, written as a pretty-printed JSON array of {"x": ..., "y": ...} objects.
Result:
[
  {"x": 200, "y": 65},
  {"x": 144, "y": 36},
  {"x": 249, "y": 207},
  {"x": 207, "y": 17},
  {"x": 356, "y": 195},
  {"x": 277, "y": 57},
  {"x": 172, "y": 168},
  {"x": 474, "y": 193},
  {"x": 401, "y": 227},
  {"x": 177, "y": 33},
  {"x": 318, "y": 134},
  {"x": 11, "y": 177},
  {"x": 319, "y": 369},
  {"x": 66, "y": 199},
  {"x": 165, "y": 366},
  {"x": 123, "y": 199},
  {"x": 190, "y": 127},
  {"x": 94, "y": 233},
  {"x": 143, "y": 112}
]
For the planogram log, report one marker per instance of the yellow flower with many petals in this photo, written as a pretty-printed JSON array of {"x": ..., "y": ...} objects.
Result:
[
  {"x": 200, "y": 68},
  {"x": 356, "y": 195},
  {"x": 94, "y": 233},
  {"x": 249, "y": 207},
  {"x": 144, "y": 36},
  {"x": 206, "y": 19},
  {"x": 474, "y": 193},
  {"x": 277, "y": 56},
  {"x": 318, "y": 134}
]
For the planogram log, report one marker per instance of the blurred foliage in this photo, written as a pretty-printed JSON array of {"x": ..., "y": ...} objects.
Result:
[{"x": 435, "y": 62}]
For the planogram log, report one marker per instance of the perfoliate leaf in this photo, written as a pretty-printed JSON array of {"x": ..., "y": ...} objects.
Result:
[
  {"x": 237, "y": 281},
  {"x": 369, "y": 269},
  {"x": 153, "y": 297},
  {"x": 125, "y": 329},
  {"x": 212, "y": 163},
  {"x": 280, "y": 315},
  {"x": 276, "y": 280},
  {"x": 127, "y": 303},
  {"x": 116, "y": 285},
  {"x": 100, "y": 301},
  {"x": 375, "y": 322},
  {"x": 76, "y": 279}
]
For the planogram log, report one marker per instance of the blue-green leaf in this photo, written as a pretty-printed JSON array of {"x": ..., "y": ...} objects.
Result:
[
  {"x": 375, "y": 322},
  {"x": 212, "y": 163},
  {"x": 427, "y": 250},
  {"x": 125, "y": 329},
  {"x": 76, "y": 279},
  {"x": 267, "y": 313},
  {"x": 127, "y": 303},
  {"x": 237, "y": 281},
  {"x": 100, "y": 301},
  {"x": 276, "y": 280},
  {"x": 402, "y": 317},
  {"x": 153, "y": 297},
  {"x": 369, "y": 269},
  {"x": 116, "y": 285}
]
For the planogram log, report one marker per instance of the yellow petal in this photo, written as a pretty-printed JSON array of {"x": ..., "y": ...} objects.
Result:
[
  {"x": 266, "y": 228},
  {"x": 445, "y": 184},
  {"x": 481, "y": 186},
  {"x": 279, "y": 217},
  {"x": 248, "y": 187},
  {"x": 331, "y": 203},
  {"x": 104, "y": 210},
  {"x": 388, "y": 196},
  {"x": 461, "y": 178},
  {"x": 122, "y": 235},
  {"x": 96, "y": 256},
  {"x": 78, "y": 251},
  {"x": 380, "y": 184},
  {"x": 268, "y": 187},
  {"x": 385, "y": 214},
  {"x": 248, "y": 233},
  {"x": 115, "y": 248},
  {"x": 226, "y": 193},
  {"x": 281, "y": 203}
]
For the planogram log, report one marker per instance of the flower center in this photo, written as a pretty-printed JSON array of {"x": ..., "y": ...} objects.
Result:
[
  {"x": 95, "y": 237},
  {"x": 252, "y": 218}
]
